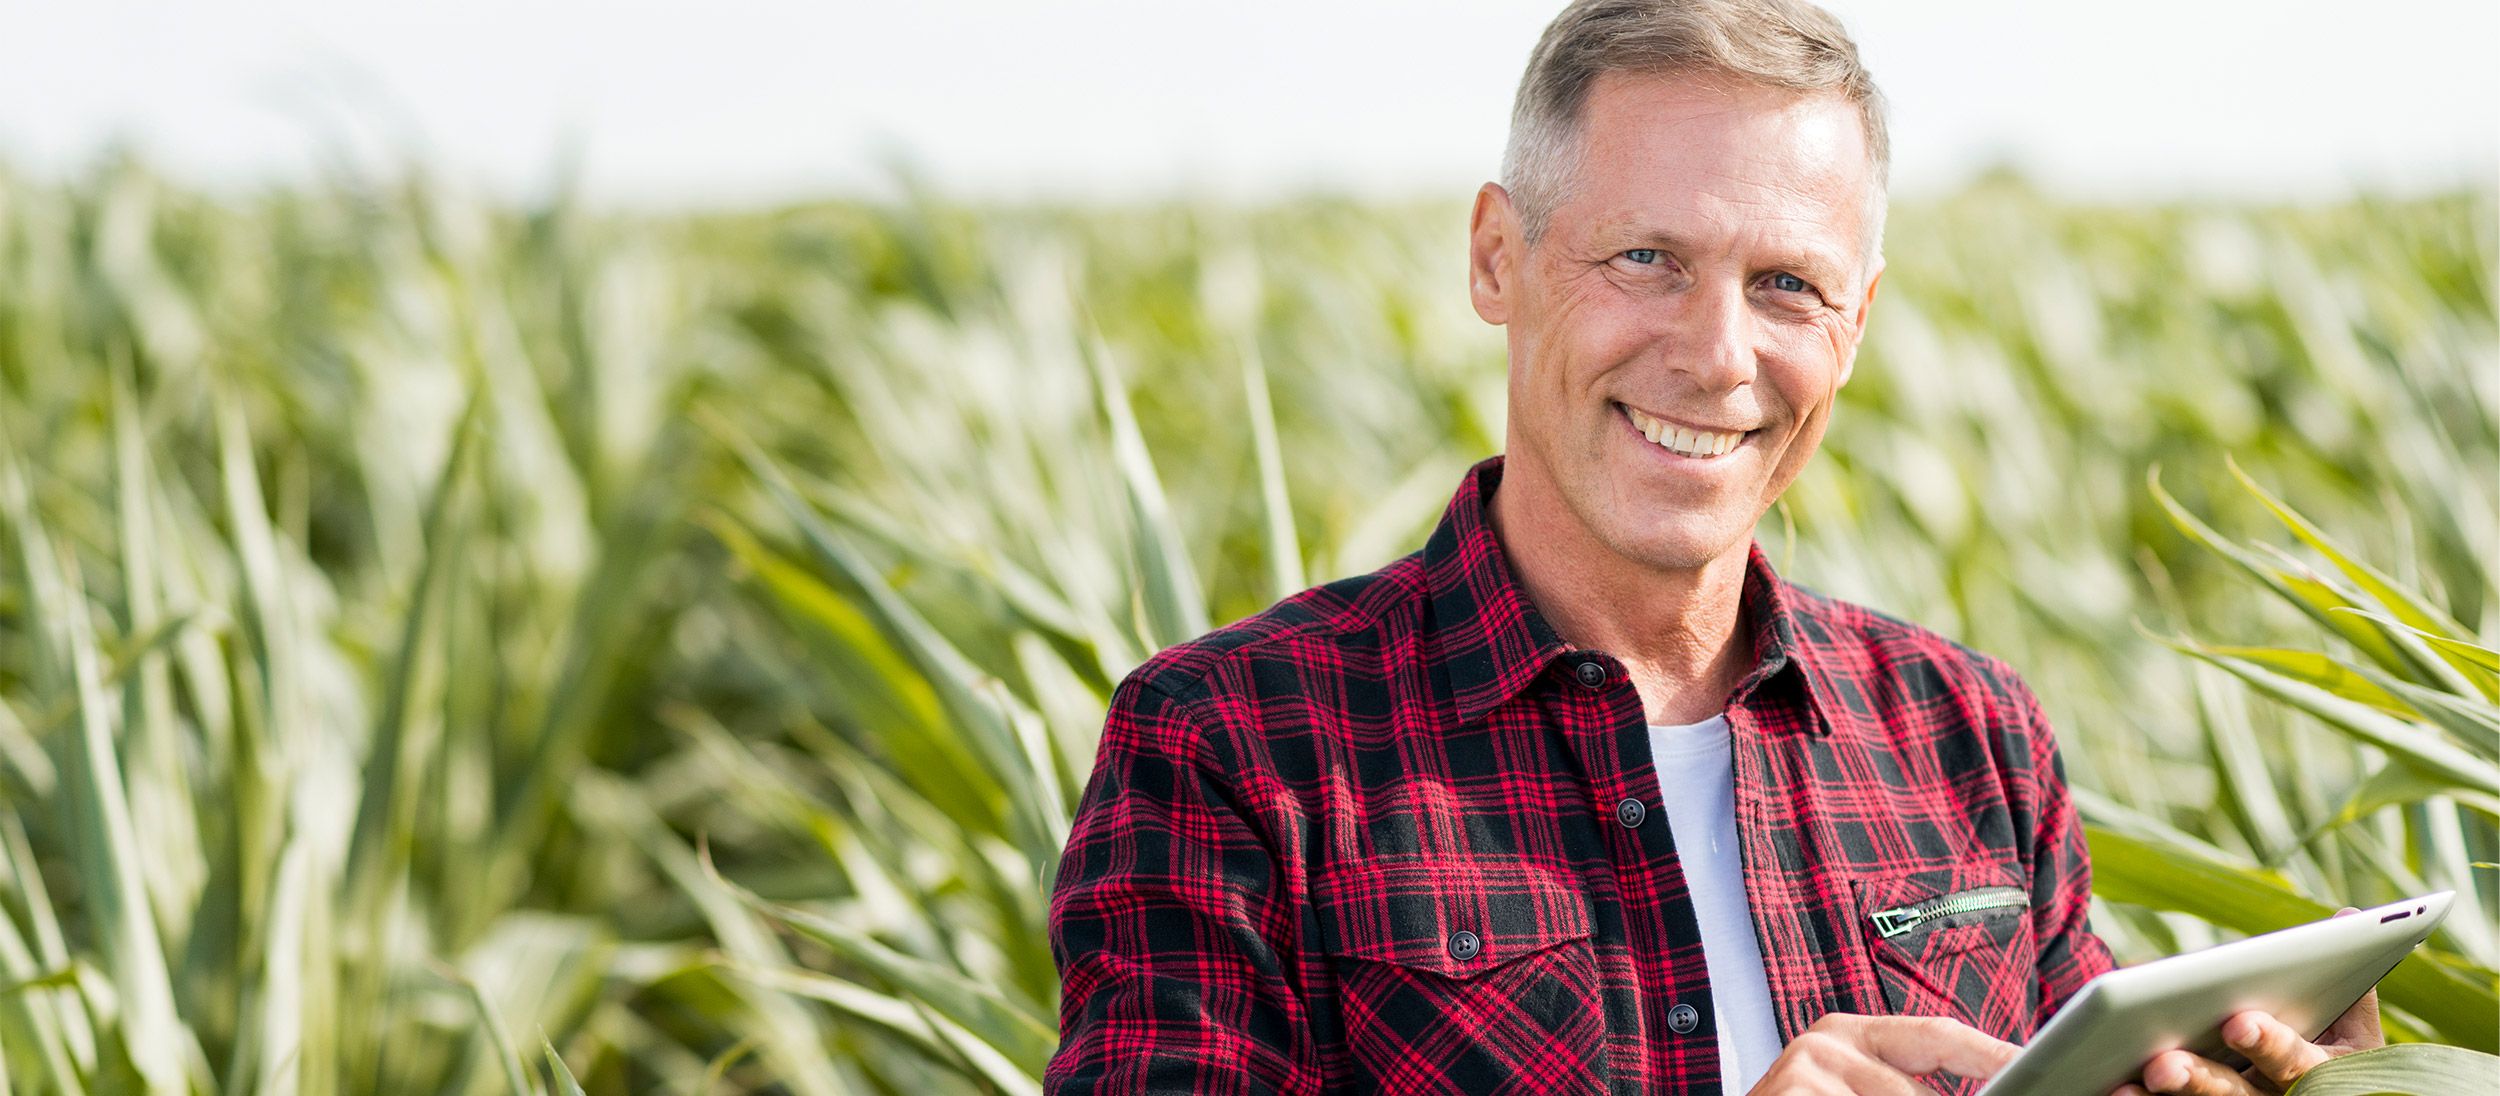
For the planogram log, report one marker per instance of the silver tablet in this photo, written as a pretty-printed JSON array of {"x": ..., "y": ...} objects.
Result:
[{"x": 2306, "y": 975}]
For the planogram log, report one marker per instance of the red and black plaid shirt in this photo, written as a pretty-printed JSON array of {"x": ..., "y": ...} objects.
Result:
[{"x": 1395, "y": 835}]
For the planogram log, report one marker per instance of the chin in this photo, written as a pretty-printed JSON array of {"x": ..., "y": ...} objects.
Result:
[{"x": 1686, "y": 545}]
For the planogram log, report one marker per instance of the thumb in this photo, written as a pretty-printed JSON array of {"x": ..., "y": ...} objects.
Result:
[{"x": 2359, "y": 1027}]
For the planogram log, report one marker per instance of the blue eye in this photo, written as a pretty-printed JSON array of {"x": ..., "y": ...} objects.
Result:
[
  {"x": 1642, "y": 255},
  {"x": 1789, "y": 283}
]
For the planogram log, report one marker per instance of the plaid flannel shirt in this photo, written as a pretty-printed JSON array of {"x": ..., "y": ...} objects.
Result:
[{"x": 1395, "y": 835}]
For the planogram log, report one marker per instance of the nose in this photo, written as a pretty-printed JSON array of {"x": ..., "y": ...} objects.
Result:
[{"x": 1714, "y": 338}]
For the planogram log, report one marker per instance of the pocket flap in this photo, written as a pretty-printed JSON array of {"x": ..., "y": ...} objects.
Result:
[{"x": 1455, "y": 918}]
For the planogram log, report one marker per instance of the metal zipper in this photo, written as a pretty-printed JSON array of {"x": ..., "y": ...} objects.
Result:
[{"x": 1901, "y": 919}]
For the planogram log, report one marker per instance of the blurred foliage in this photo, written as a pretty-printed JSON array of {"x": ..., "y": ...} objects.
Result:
[{"x": 430, "y": 628}]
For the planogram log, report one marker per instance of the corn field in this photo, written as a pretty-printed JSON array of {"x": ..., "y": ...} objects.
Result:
[{"x": 454, "y": 647}]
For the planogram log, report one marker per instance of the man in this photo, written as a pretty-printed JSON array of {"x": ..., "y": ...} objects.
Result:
[{"x": 1582, "y": 796}]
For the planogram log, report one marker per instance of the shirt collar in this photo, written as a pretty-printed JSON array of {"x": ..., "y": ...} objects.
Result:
[{"x": 1492, "y": 642}]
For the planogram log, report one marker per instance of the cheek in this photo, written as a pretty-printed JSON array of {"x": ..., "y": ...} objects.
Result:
[
  {"x": 1578, "y": 340},
  {"x": 1807, "y": 370},
  {"x": 1598, "y": 334},
  {"x": 1840, "y": 342}
]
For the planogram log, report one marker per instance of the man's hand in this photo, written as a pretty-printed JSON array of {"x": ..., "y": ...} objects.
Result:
[
  {"x": 1879, "y": 1056},
  {"x": 2277, "y": 1054}
]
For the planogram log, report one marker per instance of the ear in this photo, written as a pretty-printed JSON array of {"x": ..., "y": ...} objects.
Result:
[
  {"x": 1857, "y": 323},
  {"x": 1494, "y": 247}
]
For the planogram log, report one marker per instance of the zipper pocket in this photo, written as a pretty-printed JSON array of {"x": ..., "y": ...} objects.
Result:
[{"x": 1901, "y": 919}]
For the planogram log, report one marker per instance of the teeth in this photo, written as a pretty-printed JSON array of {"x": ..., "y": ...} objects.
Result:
[{"x": 1690, "y": 443}]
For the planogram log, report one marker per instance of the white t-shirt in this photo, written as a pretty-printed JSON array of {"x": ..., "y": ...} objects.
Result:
[{"x": 1697, "y": 784}]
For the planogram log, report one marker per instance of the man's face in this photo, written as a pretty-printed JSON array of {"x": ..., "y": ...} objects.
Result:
[{"x": 1702, "y": 280}]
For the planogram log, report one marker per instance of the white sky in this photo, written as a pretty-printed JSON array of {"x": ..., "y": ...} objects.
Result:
[{"x": 744, "y": 100}]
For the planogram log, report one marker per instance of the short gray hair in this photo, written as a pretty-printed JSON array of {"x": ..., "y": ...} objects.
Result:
[{"x": 1775, "y": 43}]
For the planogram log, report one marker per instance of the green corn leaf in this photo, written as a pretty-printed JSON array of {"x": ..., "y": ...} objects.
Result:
[
  {"x": 394, "y": 763},
  {"x": 2473, "y": 722},
  {"x": 562, "y": 1076},
  {"x": 1018, "y": 1033},
  {"x": 2478, "y": 663},
  {"x": 2409, "y": 1069},
  {"x": 1175, "y": 604},
  {"x": 43, "y": 1025},
  {"x": 2397, "y": 785},
  {"x": 718, "y": 1068},
  {"x": 2244, "y": 785},
  {"x": 2324, "y": 671},
  {"x": 2413, "y": 609},
  {"x": 2174, "y": 872},
  {"x": 946, "y": 669},
  {"x": 787, "y": 1031},
  {"x": 1284, "y": 545},
  {"x": 891, "y": 693},
  {"x": 2408, "y": 743},
  {"x": 2309, "y": 593},
  {"x": 130, "y": 657},
  {"x": 1091, "y": 642},
  {"x": 2475, "y": 655},
  {"x": 903, "y": 1017},
  {"x": 116, "y": 889},
  {"x": 2428, "y": 666},
  {"x": 498, "y": 1036}
]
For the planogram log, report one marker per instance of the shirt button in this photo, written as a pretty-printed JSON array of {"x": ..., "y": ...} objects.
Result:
[
  {"x": 1592, "y": 673},
  {"x": 1464, "y": 945},
  {"x": 1630, "y": 812},
  {"x": 1683, "y": 1018}
]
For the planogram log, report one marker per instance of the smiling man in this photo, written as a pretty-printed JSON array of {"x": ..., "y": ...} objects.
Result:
[{"x": 1581, "y": 796}]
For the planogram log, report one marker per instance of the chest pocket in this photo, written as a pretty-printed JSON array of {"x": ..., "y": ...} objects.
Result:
[
  {"x": 1463, "y": 976},
  {"x": 1955, "y": 942}
]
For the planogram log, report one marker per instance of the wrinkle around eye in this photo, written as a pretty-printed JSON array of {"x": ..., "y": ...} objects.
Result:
[
  {"x": 1808, "y": 298},
  {"x": 1807, "y": 305}
]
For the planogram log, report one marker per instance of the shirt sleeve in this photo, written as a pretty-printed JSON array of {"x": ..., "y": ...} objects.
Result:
[
  {"x": 2061, "y": 875},
  {"x": 1166, "y": 923}
]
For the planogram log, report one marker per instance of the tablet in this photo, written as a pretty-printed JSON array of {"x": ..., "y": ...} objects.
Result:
[{"x": 2306, "y": 975}]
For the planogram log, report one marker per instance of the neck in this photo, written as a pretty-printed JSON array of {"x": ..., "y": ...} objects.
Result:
[{"x": 1678, "y": 631}]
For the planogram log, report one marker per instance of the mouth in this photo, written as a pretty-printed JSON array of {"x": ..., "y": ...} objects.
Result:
[{"x": 1690, "y": 442}]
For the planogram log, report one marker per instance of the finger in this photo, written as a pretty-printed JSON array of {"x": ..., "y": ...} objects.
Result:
[
  {"x": 1870, "y": 1077},
  {"x": 2358, "y": 1028},
  {"x": 2180, "y": 1073},
  {"x": 1833, "y": 1053},
  {"x": 1920, "y": 1045},
  {"x": 2275, "y": 1049}
]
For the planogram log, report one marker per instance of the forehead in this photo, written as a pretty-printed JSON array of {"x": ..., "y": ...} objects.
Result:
[{"x": 1720, "y": 156}]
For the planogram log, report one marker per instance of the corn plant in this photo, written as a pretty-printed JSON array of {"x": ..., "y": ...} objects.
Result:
[
  {"x": 2411, "y": 696},
  {"x": 455, "y": 647}
]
